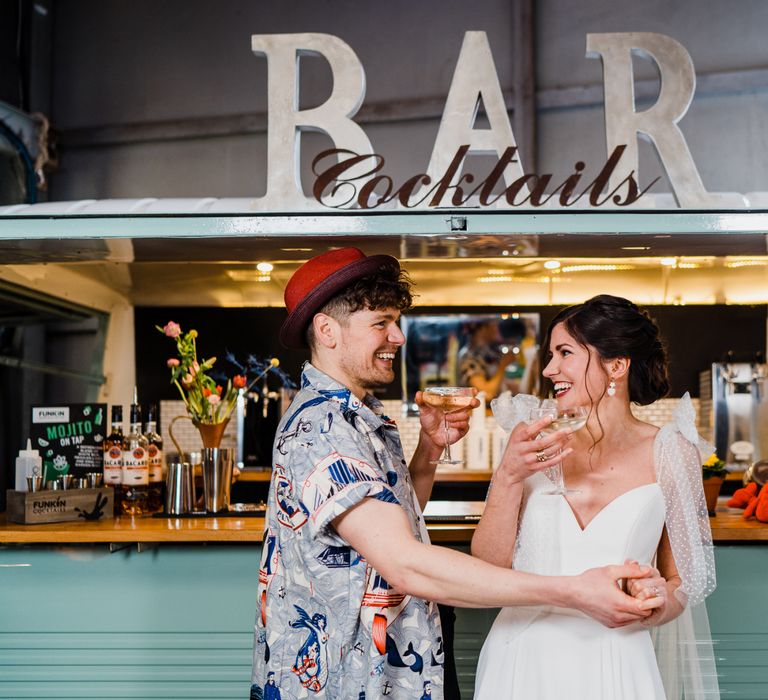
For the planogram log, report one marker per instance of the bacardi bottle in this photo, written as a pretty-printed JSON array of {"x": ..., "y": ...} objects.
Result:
[
  {"x": 155, "y": 496},
  {"x": 113, "y": 456},
  {"x": 135, "y": 467}
]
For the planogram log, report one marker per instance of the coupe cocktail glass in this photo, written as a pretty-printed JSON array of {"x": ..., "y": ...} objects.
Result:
[
  {"x": 574, "y": 418},
  {"x": 448, "y": 399}
]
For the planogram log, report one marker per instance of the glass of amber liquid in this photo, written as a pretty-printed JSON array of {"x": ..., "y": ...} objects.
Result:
[
  {"x": 574, "y": 418},
  {"x": 448, "y": 399}
]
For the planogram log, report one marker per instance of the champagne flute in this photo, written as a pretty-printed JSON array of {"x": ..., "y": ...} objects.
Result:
[
  {"x": 448, "y": 399},
  {"x": 574, "y": 418}
]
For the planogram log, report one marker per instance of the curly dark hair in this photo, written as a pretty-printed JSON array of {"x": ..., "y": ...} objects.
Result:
[
  {"x": 616, "y": 327},
  {"x": 389, "y": 288}
]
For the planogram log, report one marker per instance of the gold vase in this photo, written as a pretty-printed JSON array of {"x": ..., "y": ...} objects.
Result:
[{"x": 212, "y": 433}]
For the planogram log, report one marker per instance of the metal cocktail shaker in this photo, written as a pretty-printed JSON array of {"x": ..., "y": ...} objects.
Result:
[
  {"x": 217, "y": 477},
  {"x": 180, "y": 489}
]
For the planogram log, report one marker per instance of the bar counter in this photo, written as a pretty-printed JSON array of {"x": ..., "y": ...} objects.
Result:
[
  {"x": 173, "y": 531},
  {"x": 163, "y": 609},
  {"x": 728, "y": 527}
]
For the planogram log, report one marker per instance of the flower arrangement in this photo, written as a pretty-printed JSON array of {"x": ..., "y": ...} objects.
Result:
[
  {"x": 714, "y": 466},
  {"x": 210, "y": 398}
]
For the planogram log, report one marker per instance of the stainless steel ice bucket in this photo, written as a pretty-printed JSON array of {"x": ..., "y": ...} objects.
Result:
[
  {"x": 180, "y": 489},
  {"x": 217, "y": 477}
]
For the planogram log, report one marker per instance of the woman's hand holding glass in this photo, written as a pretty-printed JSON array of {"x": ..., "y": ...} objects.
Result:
[
  {"x": 526, "y": 453},
  {"x": 570, "y": 419}
]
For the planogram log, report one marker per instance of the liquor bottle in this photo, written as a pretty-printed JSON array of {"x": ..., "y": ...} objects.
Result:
[
  {"x": 155, "y": 496},
  {"x": 113, "y": 456},
  {"x": 135, "y": 467}
]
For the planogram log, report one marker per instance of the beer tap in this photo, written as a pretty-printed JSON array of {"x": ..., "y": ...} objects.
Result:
[{"x": 759, "y": 373}]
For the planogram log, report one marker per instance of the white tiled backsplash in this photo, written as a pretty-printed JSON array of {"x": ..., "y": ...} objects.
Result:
[
  {"x": 657, "y": 413},
  {"x": 185, "y": 433}
]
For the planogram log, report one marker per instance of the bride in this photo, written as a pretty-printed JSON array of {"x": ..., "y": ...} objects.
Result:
[{"x": 634, "y": 493}]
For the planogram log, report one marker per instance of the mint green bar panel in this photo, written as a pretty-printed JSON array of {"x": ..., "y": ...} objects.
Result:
[
  {"x": 738, "y": 616},
  {"x": 171, "y": 622},
  {"x": 175, "y": 622},
  {"x": 424, "y": 223}
]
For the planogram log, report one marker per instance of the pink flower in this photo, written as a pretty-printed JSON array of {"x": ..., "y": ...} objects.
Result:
[
  {"x": 194, "y": 368},
  {"x": 188, "y": 379},
  {"x": 172, "y": 329},
  {"x": 213, "y": 399},
  {"x": 172, "y": 362}
]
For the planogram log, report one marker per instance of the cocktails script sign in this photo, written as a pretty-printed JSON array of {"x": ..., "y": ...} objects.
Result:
[
  {"x": 350, "y": 175},
  {"x": 375, "y": 189}
]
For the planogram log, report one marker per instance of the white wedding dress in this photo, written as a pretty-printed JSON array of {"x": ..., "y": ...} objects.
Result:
[{"x": 548, "y": 653}]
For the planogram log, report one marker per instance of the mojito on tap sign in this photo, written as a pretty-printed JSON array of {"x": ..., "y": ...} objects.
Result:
[
  {"x": 352, "y": 176},
  {"x": 69, "y": 438}
]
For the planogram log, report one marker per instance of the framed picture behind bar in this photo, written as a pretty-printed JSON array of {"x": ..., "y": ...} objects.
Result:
[{"x": 445, "y": 349}]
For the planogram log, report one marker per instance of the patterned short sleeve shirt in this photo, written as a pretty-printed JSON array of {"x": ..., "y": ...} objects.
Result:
[{"x": 328, "y": 625}]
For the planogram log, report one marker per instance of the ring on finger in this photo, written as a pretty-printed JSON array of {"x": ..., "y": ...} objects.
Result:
[
  {"x": 655, "y": 591},
  {"x": 541, "y": 456}
]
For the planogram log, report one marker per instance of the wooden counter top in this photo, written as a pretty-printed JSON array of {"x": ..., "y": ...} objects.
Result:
[
  {"x": 728, "y": 527},
  {"x": 441, "y": 476},
  {"x": 141, "y": 529}
]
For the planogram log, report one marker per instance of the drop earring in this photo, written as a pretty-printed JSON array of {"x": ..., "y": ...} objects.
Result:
[{"x": 611, "y": 390}]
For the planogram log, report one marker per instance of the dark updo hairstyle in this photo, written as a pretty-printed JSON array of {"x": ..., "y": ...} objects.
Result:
[{"x": 616, "y": 327}]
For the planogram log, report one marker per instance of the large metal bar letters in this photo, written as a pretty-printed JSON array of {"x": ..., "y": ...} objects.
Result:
[
  {"x": 658, "y": 123},
  {"x": 475, "y": 80}
]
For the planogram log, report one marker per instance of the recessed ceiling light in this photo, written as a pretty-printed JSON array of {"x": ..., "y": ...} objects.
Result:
[
  {"x": 668, "y": 262},
  {"x": 552, "y": 264},
  {"x": 265, "y": 267},
  {"x": 745, "y": 263},
  {"x": 248, "y": 276},
  {"x": 596, "y": 267},
  {"x": 496, "y": 278}
]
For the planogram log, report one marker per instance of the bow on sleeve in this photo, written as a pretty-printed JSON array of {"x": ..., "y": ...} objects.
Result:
[{"x": 684, "y": 420}]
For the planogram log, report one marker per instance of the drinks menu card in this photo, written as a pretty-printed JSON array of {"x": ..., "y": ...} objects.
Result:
[{"x": 69, "y": 437}]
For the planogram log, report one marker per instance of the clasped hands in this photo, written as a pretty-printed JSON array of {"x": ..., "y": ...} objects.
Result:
[
  {"x": 652, "y": 592},
  {"x": 620, "y": 595}
]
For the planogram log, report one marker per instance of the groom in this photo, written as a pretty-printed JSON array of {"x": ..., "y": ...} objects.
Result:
[{"x": 345, "y": 542}]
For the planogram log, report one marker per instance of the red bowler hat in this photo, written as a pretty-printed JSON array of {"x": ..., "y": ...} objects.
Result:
[{"x": 317, "y": 281}]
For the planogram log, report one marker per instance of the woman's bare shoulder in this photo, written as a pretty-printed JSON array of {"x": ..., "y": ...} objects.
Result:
[{"x": 643, "y": 431}]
